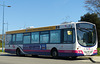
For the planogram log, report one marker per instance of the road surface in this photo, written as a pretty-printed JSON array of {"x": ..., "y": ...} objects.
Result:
[{"x": 13, "y": 59}]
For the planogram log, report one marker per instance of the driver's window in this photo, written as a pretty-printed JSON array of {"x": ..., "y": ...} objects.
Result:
[{"x": 68, "y": 34}]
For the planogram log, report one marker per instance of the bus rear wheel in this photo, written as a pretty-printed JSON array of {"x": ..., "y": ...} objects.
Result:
[
  {"x": 54, "y": 53},
  {"x": 18, "y": 52}
]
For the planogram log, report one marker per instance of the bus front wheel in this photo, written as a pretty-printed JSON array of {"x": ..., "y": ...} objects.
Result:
[{"x": 54, "y": 53}]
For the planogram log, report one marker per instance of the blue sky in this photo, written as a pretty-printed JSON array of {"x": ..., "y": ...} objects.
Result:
[{"x": 39, "y": 13}]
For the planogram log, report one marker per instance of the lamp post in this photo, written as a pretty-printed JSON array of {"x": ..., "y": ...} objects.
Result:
[
  {"x": 7, "y": 25},
  {"x": 3, "y": 25}
]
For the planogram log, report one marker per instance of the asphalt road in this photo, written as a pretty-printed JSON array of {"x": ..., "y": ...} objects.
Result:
[{"x": 13, "y": 59}]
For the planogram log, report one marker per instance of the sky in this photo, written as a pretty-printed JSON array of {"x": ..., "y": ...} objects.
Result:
[{"x": 40, "y": 13}]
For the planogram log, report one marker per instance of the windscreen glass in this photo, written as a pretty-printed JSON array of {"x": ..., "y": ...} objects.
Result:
[{"x": 86, "y": 34}]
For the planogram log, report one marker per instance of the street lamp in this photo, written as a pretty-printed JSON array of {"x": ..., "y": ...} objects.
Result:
[{"x": 3, "y": 25}]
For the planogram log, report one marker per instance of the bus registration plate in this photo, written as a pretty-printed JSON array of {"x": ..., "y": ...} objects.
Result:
[{"x": 88, "y": 52}]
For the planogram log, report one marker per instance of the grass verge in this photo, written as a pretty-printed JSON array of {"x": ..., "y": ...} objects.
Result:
[
  {"x": 0, "y": 50},
  {"x": 98, "y": 51}
]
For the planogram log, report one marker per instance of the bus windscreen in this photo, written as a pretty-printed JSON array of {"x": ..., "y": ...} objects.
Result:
[{"x": 86, "y": 34}]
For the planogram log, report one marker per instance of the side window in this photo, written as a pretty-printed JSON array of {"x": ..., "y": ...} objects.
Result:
[
  {"x": 55, "y": 36},
  {"x": 8, "y": 39},
  {"x": 35, "y": 37},
  {"x": 68, "y": 34},
  {"x": 44, "y": 37},
  {"x": 74, "y": 38},
  {"x": 26, "y": 38},
  {"x": 13, "y": 38},
  {"x": 19, "y": 38}
]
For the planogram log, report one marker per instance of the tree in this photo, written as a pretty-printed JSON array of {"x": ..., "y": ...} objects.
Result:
[
  {"x": 93, "y": 6},
  {"x": 93, "y": 18}
]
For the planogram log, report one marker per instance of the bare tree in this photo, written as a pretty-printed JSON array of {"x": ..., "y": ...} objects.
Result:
[{"x": 93, "y": 6}]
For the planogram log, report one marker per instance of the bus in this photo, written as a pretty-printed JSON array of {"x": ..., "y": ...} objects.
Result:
[{"x": 67, "y": 40}]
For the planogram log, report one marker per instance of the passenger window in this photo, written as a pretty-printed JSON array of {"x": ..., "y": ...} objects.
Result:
[
  {"x": 35, "y": 37},
  {"x": 26, "y": 38},
  {"x": 19, "y": 38},
  {"x": 44, "y": 37},
  {"x": 13, "y": 38},
  {"x": 55, "y": 36},
  {"x": 8, "y": 39}
]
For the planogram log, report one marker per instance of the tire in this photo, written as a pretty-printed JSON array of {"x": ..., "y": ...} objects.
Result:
[
  {"x": 18, "y": 52},
  {"x": 54, "y": 53}
]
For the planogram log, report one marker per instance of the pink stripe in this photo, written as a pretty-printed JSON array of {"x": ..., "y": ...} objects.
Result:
[{"x": 70, "y": 51}]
